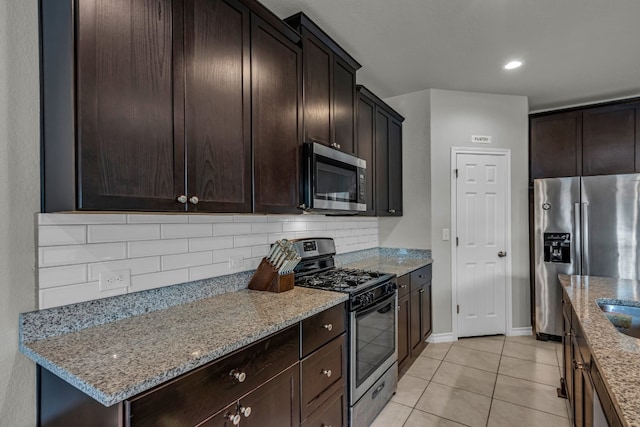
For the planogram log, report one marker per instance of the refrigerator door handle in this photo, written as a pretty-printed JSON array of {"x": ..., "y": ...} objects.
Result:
[
  {"x": 585, "y": 238},
  {"x": 577, "y": 241}
]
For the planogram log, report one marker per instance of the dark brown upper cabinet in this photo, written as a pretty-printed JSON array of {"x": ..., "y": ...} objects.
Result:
[
  {"x": 147, "y": 105},
  {"x": 594, "y": 140},
  {"x": 276, "y": 105},
  {"x": 380, "y": 144},
  {"x": 329, "y": 80}
]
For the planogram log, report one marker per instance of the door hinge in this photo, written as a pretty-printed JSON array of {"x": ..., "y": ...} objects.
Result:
[
  {"x": 458, "y": 308},
  {"x": 457, "y": 241},
  {"x": 456, "y": 172}
]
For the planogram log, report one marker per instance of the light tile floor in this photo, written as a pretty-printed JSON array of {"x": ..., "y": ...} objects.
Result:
[{"x": 486, "y": 381}]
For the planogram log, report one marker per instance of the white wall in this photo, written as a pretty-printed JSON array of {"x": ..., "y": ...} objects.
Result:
[
  {"x": 455, "y": 116},
  {"x": 164, "y": 250},
  {"x": 413, "y": 229},
  {"x": 19, "y": 192}
]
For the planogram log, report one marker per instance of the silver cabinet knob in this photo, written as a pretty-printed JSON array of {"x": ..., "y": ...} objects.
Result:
[
  {"x": 194, "y": 200},
  {"x": 328, "y": 326},
  {"x": 182, "y": 199},
  {"x": 327, "y": 372},
  {"x": 238, "y": 375},
  {"x": 502, "y": 254},
  {"x": 234, "y": 418},
  {"x": 339, "y": 146},
  {"x": 246, "y": 411},
  {"x": 577, "y": 365},
  {"x": 392, "y": 211}
]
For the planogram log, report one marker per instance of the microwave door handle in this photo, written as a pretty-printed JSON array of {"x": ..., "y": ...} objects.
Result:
[
  {"x": 585, "y": 239},
  {"x": 577, "y": 241}
]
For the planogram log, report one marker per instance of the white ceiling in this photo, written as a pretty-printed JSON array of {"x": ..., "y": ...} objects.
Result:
[{"x": 575, "y": 51}]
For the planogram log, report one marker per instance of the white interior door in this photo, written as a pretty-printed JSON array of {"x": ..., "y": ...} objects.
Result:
[{"x": 481, "y": 228}]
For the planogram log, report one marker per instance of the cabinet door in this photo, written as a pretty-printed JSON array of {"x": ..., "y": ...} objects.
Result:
[
  {"x": 404, "y": 321},
  {"x": 318, "y": 97},
  {"x": 415, "y": 334},
  {"x": 577, "y": 403},
  {"x": 555, "y": 144},
  {"x": 426, "y": 312},
  {"x": 344, "y": 106},
  {"x": 130, "y": 152},
  {"x": 609, "y": 140},
  {"x": 567, "y": 359},
  {"x": 217, "y": 105},
  {"x": 395, "y": 168},
  {"x": 382, "y": 162},
  {"x": 276, "y": 99},
  {"x": 366, "y": 147}
]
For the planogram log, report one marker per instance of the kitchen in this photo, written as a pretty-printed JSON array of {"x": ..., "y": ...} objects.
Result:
[{"x": 422, "y": 221}]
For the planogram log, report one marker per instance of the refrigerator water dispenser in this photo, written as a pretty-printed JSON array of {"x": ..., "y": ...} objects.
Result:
[{"x": 557, "y": 247}]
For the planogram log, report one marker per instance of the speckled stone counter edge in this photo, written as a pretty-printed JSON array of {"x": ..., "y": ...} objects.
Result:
[
  {"x": 38, "y": 325},
  {"x": 111, "y": 399}
]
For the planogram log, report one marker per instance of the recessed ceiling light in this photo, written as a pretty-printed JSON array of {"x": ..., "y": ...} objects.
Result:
[{"x": 512, "y": 65}]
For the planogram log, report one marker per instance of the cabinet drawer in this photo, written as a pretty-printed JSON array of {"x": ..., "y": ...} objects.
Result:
[
  {"x": 323, "y": 373},
  {"x": 322, "y": 328},
  {"x": 193, "y": 397},
  {"x": 420, "y": 277},
  {"x": 333, "y": 413},
  {"x": 404, "y": 283}
]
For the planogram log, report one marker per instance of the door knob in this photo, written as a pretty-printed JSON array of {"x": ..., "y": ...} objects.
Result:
[{"x": 502, "y": 254}]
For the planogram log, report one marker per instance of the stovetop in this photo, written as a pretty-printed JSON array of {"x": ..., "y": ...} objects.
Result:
[{"x": 343, "y": 280}]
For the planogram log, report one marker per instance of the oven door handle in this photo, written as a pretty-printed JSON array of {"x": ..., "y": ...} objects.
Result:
[{"x": 378, "y": 305}]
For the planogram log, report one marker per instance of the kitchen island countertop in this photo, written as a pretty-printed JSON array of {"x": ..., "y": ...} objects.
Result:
[
  {"x": 617, "y": 355},
  {"x": 120, "y": 359}
]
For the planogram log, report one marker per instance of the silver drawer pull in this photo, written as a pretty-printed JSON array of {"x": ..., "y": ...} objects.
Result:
[
  {"x": 328, "y": 326},
  {"x": 327, "y": 372},
  {"x": 234, "y": 418},
  {"x": 182, "y": 199},
  {"x": 194, "y": 200},
  {"x": 246, "y": 411},
  {"x": 238, "y": 375},
  {"x": 403, "y": 286}
]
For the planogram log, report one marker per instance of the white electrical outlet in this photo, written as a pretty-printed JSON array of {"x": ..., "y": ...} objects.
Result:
[
  {"x": 445, "y": 234},
  {"x": 117, "y": 279},
  {"x": 236, "y": 261}
]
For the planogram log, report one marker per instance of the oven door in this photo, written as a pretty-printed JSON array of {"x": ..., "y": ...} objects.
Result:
[{"x": 374, "y": 343}]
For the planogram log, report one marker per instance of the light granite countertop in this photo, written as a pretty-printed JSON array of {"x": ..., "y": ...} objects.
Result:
[
  {"x": 117, "y": 360},
  {"x": 389, "y": 264},
  {"x": 617, "y": 355}
]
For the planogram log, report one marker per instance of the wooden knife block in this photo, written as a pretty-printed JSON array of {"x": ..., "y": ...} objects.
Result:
[{"x": 266, "y": 278}]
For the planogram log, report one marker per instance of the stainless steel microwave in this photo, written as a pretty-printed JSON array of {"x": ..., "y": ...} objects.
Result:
[{"x": 334, "y": 182}]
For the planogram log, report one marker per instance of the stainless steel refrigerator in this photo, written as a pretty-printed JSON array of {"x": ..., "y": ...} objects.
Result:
[{"x": 589, "y": 226}]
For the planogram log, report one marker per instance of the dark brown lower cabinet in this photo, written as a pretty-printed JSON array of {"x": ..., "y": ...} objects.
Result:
[
  {"x": 414, "y": 315},
  {"x": 273, "y": 404},
  {"x": 591, "y": 405}
]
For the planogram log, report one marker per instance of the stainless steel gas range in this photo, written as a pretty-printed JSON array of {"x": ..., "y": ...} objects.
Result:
[{"x": 372, "y": 332}]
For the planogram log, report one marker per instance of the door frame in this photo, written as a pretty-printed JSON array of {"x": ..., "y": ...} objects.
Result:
[{"x": 454, "y": 232}]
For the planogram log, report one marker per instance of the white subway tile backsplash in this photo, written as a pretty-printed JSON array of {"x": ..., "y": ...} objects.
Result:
[
  {"x": 223, "y": 255},
  {"x": 268, "y": 227},
  {"x": 59, "y": 276},
  {"x": 122, "y": 233},
  {"x": 157, "y": 219},
  {"x": 162, "y": 250},
  {"x": 208, "y": 218},
  {"x": 51, "y": 256},
  {"x": 81, "y": 218},
  {"x": 62, "y": 235},
  {"x": 136, "y": 266},
  {"x": 210, "y": 243},
  {"x": 250, "y": 240},
  {"x": 206, "y": 271},
  {"x": 70, "y": 294},
  {"x": 178, "y": 231},
  {"x": 294, "y": 226},
  {"x": 158, "y": 247},
  {"x": 194, "y": 259},
  {"x": 158, "y": 280},
  {"x": 231, "y": 229}
]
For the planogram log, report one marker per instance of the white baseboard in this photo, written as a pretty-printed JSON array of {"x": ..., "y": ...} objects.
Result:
[
  {"x": 520, "y": 332},
  {"x": 446, "y": 337}
]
